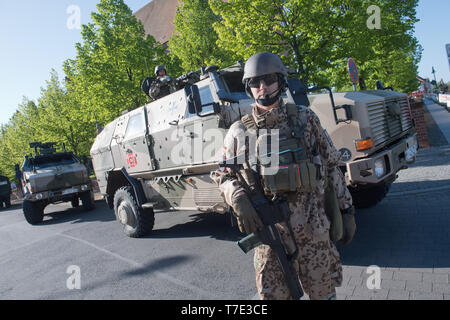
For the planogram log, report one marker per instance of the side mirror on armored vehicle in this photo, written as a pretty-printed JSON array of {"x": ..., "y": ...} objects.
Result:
[
  {"x": 347, "y": 108},
  {"x": 193, "y": 99},
  {"x": 298, "y": 91}
]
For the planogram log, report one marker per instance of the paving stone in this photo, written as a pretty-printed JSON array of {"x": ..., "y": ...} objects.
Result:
[
  {"x": 417, "y": 295},
  {"x": 418, "y": 286},
  {"x": 358, "y": 298},
  {"x": 434, "y": 277},
  {"x": 345, "y": 290},
  {"x": 354, "y": 281},
  {"x": 398, "y": 294},
  {"x": 441, "y": 270},
  {"x": 350, "y": 271},
  {"x": 393, "y": 284},
  {"x": 402, "y": 275},
  {"x": 427, "y": 270},
  {"x": 441, "y": 288},
  {"x": 373, "y": 294}
]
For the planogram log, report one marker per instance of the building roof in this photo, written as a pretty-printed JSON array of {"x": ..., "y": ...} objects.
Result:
[{"x": 157, "y": 18}]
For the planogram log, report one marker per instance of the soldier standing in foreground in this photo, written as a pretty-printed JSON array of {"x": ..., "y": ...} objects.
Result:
[{"x": 317, "y": 263}]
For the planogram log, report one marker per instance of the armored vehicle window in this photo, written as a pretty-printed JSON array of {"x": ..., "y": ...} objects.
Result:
[
  {"x": 136, "y": 126},
  {"x": 41, "y": 162},
  {"x": 206, "y": 98},
  {"x": 233, "y": 81}
]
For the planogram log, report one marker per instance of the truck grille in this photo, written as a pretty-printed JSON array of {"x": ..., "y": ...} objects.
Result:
[{"x": 385, "y": 123}]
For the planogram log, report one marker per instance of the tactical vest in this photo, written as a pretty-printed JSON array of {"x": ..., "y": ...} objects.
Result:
[{"x": 294, "y": 170}]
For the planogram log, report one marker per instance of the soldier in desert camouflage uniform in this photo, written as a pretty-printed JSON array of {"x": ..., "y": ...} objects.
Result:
[{"x": 318, "y": 263}]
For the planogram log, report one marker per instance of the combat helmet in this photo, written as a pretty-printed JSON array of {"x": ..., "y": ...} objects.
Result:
[
  {"x": 158, "y": 68},
  {"x": 261, "y": 64}
]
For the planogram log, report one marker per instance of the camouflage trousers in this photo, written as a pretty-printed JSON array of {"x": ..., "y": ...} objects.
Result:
[{"x": 318, "y": 266}]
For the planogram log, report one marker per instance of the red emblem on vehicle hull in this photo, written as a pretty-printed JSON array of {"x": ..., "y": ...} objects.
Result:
[{"x": 131, "y": 160}]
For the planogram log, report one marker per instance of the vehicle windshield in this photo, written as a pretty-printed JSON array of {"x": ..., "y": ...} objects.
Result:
[{"x": 46, "y": 161}]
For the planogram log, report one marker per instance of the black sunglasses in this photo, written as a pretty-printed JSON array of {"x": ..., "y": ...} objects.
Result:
[{"x": 267, "y": 78}]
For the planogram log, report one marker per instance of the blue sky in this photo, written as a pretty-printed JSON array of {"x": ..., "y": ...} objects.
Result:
[{"x": 35, "y": 39}]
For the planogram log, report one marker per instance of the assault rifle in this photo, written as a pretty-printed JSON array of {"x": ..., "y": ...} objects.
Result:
[{"x": 270, "y": 212}]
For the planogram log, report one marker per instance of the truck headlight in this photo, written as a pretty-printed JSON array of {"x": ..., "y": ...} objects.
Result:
[
  {"x": 84, "y": 187},
  {"x": 379, "y": 167},
  {"x": 39, "y": 196}
]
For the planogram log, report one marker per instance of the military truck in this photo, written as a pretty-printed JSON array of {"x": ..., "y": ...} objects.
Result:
[
  {"x": 5, "y": 192},
  {"x": 160, "y": 156},
  {"x": 51, "y": 177}
]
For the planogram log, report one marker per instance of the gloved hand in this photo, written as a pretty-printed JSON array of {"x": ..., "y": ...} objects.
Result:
[
  {"x": 248, "y": 219},
  {"x": 348, "y": 220}
]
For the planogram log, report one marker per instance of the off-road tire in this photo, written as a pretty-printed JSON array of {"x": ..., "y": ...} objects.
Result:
[
  {"x": 369, "y": 197},
  {"x": 144, "y": 219},
  {"x": 87, "y": 200},
  {"x": 75, "y": 202},
  {"x": 33, "y": 211}
]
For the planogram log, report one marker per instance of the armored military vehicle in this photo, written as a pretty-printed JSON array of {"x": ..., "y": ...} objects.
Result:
[
  {"x": 5, "y": 192},
  {"x": 160, "y": 156},
  {"x": 53, "y": 177}
]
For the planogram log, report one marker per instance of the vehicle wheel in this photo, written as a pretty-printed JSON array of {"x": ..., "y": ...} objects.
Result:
[
  {"x": 1, "y": 203},
  {"x": 87, "y": 199},
  {"x": 137, "y": 222},
  {"x": 75, "y": 202},
  {"x": 368, "y": 197},
  {"x": 8, "y": 203},
  {"x": 33, "y": 211}
]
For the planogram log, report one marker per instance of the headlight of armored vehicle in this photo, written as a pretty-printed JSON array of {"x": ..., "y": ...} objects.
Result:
[
  {"x": 379, "y": 167},
  {"x": 84, "y": 187}
]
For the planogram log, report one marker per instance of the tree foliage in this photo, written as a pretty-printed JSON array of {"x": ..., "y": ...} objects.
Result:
[
  {"x": 102, "y": 81},
  {"x": 194, "y": 39},
  {"x": 316, "y": 37}
]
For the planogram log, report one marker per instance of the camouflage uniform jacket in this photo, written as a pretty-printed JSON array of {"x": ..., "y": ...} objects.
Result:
[{"x": 315, "y": 137}]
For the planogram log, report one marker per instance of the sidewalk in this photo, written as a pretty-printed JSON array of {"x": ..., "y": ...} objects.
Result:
[
  {"x": 406, "y": 234},
  {"x": 438, "y": 121}
]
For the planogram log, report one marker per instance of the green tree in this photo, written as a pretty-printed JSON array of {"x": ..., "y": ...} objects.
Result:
[
  {"x": 316, "y": 37},
  {"x": 111, "y": 62},
  {"x": 15, "y": 136},
  {"x": 194, "y": 40}
]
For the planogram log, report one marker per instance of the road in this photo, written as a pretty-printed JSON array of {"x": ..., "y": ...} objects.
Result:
[{"x": 194, "y": 256}]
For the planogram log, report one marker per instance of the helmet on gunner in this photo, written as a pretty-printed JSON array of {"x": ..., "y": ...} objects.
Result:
[
  {"x": 261, "y": 66},
  {"x": 159, "y": 68}
]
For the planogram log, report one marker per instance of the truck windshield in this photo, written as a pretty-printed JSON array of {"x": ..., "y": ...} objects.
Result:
[{"x": 45, "y": 161}]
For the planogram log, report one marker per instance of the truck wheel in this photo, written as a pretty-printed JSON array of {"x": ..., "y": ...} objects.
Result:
[
  {"x": 87, "y": 199},
  {"x": 75, "y": 202},
  {"x": 368, "y": 197},
  {"x": 8, "y": 203},
  {"x": 137, "y": 222},
  {"x": 33, "y": 211}
]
